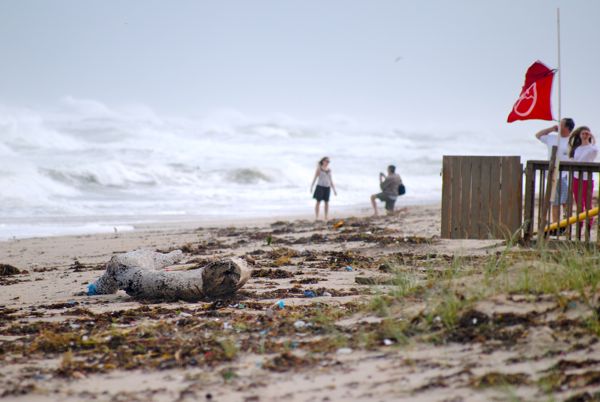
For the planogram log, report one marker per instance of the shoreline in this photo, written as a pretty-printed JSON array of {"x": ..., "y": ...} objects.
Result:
[
  {"x": 42, "y": 227},
  {"x": 98, "y": 247}
]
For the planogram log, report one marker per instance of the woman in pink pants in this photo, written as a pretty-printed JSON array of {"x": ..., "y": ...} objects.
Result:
[{"x": 583, "y": 149}]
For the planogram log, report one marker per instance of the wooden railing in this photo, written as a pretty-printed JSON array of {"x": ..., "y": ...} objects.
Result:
[{"x": 536, "y": 215}]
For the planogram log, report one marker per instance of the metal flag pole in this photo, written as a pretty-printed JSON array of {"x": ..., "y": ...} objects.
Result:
[
  {"x": 559, "y": 67},
  {"x": 555, "y": 169}
]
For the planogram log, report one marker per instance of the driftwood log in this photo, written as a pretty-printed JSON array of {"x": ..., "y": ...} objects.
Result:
[{"x": 140, "y": 274}]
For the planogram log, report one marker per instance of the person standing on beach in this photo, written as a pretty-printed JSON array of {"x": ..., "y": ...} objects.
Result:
[
  {"x": 324, "y": 186},
  {"x": 389, "y": 190},
  {"x": 583, "y": 149},
  {"x": 562, "y": 142}
]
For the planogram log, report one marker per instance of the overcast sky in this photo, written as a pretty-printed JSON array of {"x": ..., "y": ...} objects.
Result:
[{"x": 457, "y": 64}]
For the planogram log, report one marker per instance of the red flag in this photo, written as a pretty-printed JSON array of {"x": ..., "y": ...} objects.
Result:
[{"x": 534, "y": 101}]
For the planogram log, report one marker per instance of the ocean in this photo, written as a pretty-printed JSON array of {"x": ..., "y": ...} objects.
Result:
[{"x": 87, "y": 168}]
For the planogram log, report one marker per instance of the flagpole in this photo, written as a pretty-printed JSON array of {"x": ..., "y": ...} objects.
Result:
[
  {"x": 559, "y": 67},
  {"x": 554, "y": 170}
]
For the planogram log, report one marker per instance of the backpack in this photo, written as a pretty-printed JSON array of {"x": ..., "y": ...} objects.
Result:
[{"x": 401, "y": 189}]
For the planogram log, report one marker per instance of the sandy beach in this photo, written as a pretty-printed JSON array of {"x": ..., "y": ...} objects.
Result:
[{"x": 376, "y": 309}]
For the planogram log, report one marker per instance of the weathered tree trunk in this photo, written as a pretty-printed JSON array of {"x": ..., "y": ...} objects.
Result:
[{"x": 138, "y": 273}]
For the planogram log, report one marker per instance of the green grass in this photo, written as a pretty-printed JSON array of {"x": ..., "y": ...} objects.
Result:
[
  {"x": 569, "y": 268},
  {"x": 448, "y": 308},
  {"x": 568, "y": 272}
]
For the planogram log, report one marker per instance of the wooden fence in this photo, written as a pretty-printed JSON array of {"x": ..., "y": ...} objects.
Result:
[
  {"x": 536, "y": 175},
  {"x": 481, "y": 196}
]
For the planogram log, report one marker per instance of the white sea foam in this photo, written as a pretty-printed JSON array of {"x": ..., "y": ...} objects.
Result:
[{"x": 86, "y": 159}]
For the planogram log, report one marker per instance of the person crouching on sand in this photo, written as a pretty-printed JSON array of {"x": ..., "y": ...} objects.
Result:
[
  {"x": 324, "y": 186},
  {"x": 583, "y": 149},
  {"x": 389, "y": 190}
]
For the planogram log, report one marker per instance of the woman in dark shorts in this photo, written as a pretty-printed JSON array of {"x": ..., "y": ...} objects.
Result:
[{"x": 324, "y": 186}]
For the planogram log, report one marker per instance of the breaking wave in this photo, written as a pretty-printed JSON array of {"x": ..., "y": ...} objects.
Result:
[{"x": 87, "y": 159}]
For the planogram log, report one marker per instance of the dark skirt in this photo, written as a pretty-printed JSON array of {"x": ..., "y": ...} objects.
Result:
[{"x": 322, "y": 193}]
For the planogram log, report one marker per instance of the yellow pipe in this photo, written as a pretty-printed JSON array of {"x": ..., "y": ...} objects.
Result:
[{"x": 573, "y": 219}]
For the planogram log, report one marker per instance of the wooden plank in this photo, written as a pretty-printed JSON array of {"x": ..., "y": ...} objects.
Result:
[
  {"x": 546, "y": 201},
  {"x": 598, "y": 218},
  {"x": 495, "y": 197},
  {"x": 505, "y": 189},
  {"x": 512, "y": 206},
  {"x": 446, "y": 229},
  {"x": 518, "y": 196},
  {"x": 485, "y": 213},
  {"x": 473, "y": 231},
  {"x": 529, "y": 210},
  {"x": 578, "y": 209},
  {"x": 541, "y": 196},
  {"x": 588, "y": 199},
  {"x": 569, "y": 207},
  {"x": 456, "y": 192},
  {"x": 465, "y": 196},
  {"x": 508, "y": 188}
]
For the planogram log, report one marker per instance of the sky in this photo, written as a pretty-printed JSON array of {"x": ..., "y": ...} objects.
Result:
[{"x": 410, "y": 64}]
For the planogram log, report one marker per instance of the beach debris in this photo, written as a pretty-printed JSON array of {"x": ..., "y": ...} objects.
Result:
[
  {"x": 348, "y": 268},
  {"x": 326, "y": 294},
  {"x": 287, "y": 361},
  {"x": 7, "y": 270},
  {"x": 339, "y": 224},
  {"x": 299, "y": 324},
  {"x": 139, "y": 273},
  {"x": 495, "y": 379},
  {"x": 77, "y": 266},
  {"x": 280, "y": 304},
  {"x": 387, "y": 342},
  {"x": 374, "y": 280},
  {"x": 386, "y": 267},
  {"x": 271, "y": 273},
  {"x": 309, "y": 293},
  {"x": 344, "y": 351}
]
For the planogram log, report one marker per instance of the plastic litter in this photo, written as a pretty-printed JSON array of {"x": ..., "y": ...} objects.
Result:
[
  {"x": 299, "y": 324},
  {"x": 344, "y": 351},
  {"x": 339, "y": 224},
  {"x": 309, "y": 293},
  {"x": 92, "y": 290},
  {"x": 348, "y": 268},
  {"x": 387, "y": 342}
]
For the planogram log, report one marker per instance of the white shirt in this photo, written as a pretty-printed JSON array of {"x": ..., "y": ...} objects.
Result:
[
  {"x": 585, "y": 153},
  {"x": 563, "y": 147}
]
